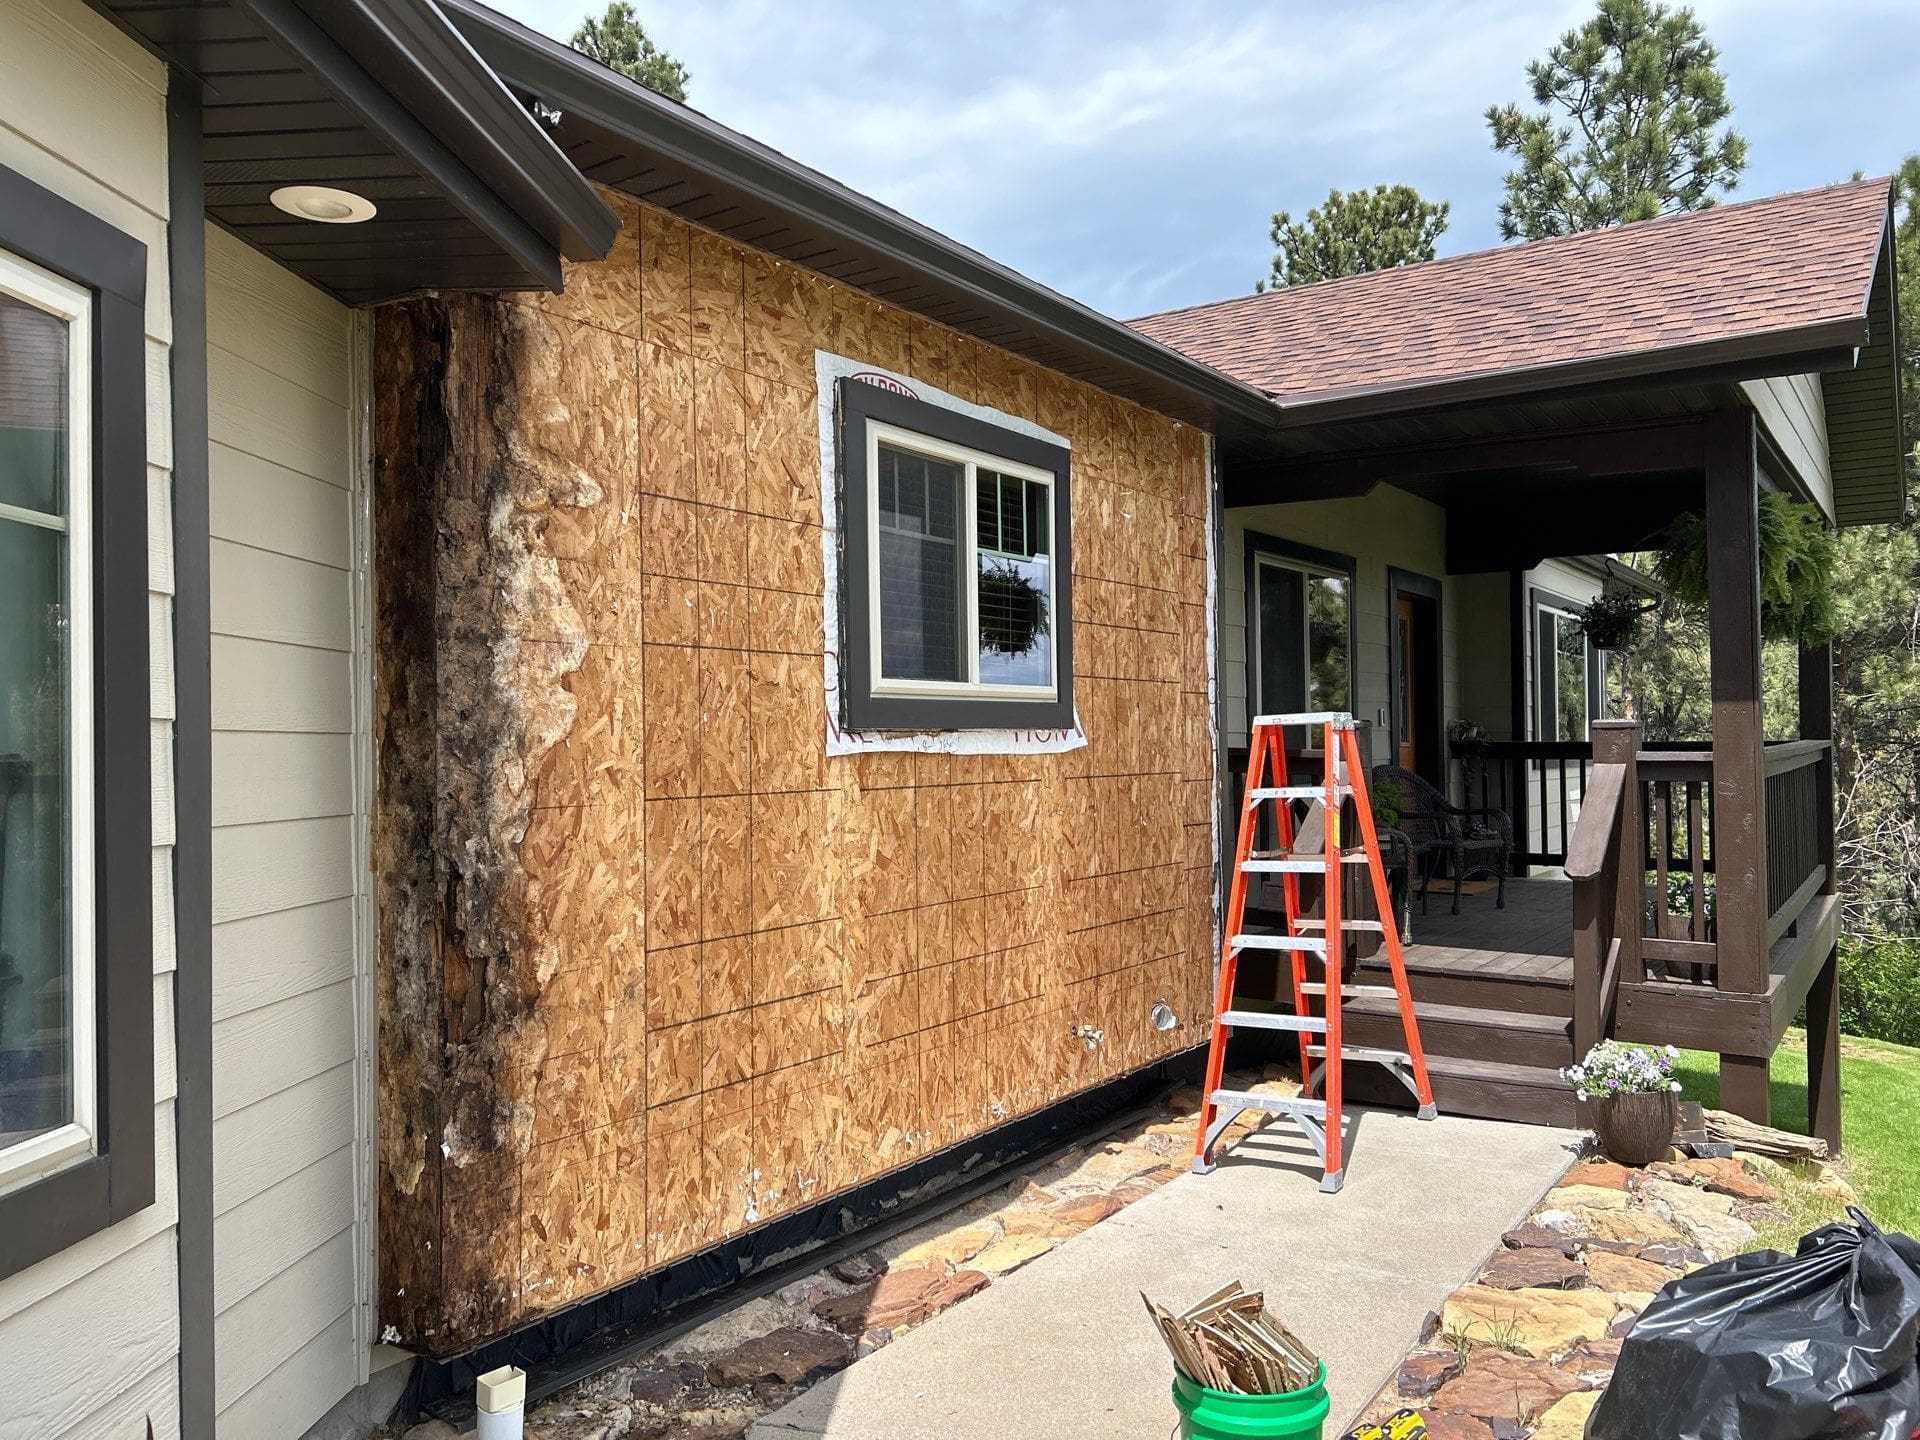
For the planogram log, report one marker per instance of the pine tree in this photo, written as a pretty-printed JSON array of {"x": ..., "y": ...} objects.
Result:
[
  {"x": 1631, "y": 125},
  {"x": 616, "y": 39},
  {"x": 1354, "y": 232}
]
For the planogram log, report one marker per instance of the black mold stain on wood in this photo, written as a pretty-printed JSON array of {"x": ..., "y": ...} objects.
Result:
[{"x": 475, "y": 637}]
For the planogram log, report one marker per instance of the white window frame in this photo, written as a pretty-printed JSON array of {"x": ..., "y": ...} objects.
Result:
[
  {"x": 1305, "y": 637},
  {"x": 1547, "y": 676},
  {"x": 31, "y": 1160},
  {"x": 972, "y": 462}
]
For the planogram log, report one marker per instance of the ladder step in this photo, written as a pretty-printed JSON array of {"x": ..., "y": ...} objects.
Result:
[
  {"x": 1310, "y": 717},
  {"x": 1312, "y": 944},
  {"x": 1354, "y": 992},
  {"x": 1308, "y": 922},
  {"x": 1263, "y": 1020},
  {"x": 1365, "y": 1052},
  {"x": 1302, "y": 865},
  {"x": 1276, "y": 1104},
  {"x": 1298, "y": 792}
]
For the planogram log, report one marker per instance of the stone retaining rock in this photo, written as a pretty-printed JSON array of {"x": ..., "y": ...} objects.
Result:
[
  {"x": 1541, "y": 1323},
  {"x": 1497, "y": 1386}
]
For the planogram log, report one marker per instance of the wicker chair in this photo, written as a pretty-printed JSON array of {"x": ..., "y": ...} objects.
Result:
[{"x": 1475, "y": 840}]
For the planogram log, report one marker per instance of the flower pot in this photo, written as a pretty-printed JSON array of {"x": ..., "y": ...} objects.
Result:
[{"x": 1636, "y": 1129}]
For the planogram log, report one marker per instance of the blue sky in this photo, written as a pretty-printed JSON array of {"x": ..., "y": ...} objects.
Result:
[{"x": 1131, "y": 154}]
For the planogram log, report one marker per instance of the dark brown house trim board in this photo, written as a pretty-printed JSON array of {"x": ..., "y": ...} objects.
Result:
[{"x": 192, "y": 754}]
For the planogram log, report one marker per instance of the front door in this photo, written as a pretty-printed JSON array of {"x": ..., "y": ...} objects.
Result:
[{"x": 1406, "y": 683}]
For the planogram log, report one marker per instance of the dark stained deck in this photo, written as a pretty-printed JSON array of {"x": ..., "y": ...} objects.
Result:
[{"x": 1532, "y": 938}]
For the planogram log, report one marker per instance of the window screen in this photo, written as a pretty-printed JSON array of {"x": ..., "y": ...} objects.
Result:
[{"x": 919, "y": 560}]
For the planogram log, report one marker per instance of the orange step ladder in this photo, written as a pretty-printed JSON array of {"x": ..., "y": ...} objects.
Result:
[{"x": 1307, "y": 939}]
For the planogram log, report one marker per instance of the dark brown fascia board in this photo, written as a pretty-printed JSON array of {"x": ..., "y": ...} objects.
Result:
[
  {"x": 570, "y": 81},
  {"x": 411, "y": 47},
  {"x": 1827, "y": 345},
  {"x": 394, "y": 125}
]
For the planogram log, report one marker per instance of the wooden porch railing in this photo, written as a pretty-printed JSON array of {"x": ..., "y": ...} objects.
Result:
[
  {"x": 1603, "y": 857},
  {"x": 1540, "y": 784}
]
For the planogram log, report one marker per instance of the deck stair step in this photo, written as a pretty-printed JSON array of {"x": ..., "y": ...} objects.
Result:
[
  {"x": 1484, "y": 989},
  {"x": 1467, "y": 1032},
  {"x": 1489, "y": 1089}
]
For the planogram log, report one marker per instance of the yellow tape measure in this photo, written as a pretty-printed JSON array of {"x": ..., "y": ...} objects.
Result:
[{"x": 1401, "y": 1425}]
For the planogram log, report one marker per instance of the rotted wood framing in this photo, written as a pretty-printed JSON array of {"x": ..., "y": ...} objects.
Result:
[{"x": 653, "y": 969}]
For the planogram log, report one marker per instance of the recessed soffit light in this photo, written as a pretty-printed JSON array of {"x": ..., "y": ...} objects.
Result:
[{"x": 323, "y": 203}]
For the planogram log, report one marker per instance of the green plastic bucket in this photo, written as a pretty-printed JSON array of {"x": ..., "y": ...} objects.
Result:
[{"x": 1221, "y": 1415}]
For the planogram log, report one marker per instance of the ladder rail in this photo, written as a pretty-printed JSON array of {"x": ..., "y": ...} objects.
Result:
[{"x": 1343, "y": 780}]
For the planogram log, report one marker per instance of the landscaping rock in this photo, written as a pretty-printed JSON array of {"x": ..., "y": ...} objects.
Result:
[
  {"x": 1831, "y": 1184},
  {"x": 1632, "y": 1302},
  {"x": 1721, "y": 1236},
  {"x": 1605, "y": 1173},
  {"x": 952, "y": 1249},
  {"x": 1637, "y": 1227},
  {"x": 789, "y": 1356},
  {"x": 664, "y": 1382},
  {"x": 1676, "y": 1256},
  {"x": 432, "y": 1430},
  {"x": 1005, "y": 1256},
  {"x": 1497, "y": 1386},
  {"x": 872, "y": 1340},
  {"x": 905, "y": 1295},
  {"x": 1587, "y": 1197},
  {"x": 1626, "y": 1272},
  {"x": 1541, "y": 1323},
  {"x": 1062, "y": 1221},
  {"x": 1425, "y": 1371},
  {"x": 1722, "y": 1177},
  {"x": 1622, "y": 1327},
  {"x": 1680, "y": 1203},
  {"x": 1541, "y": 1268},
  {"x": 857, "y": 1269},
  {"x": 1535, "y": 1236},
  {"x": 1567, "y": 1419},
  {"x": 1456, "y": 1427},
  {"x": 1593, "y": 1362}
]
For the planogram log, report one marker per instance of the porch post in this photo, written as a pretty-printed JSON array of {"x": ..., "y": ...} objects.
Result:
[
  {"x": 1739, "y": 782},
  {"x": 1823, "y": 1000}
]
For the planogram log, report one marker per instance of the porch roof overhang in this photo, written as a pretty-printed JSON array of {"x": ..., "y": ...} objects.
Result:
[
  {"x": 386, "y": 99},
  {"x": 1631, "y": 326}
]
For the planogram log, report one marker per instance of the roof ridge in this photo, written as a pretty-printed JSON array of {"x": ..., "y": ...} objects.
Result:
[{"x": 1427, "y": 267}]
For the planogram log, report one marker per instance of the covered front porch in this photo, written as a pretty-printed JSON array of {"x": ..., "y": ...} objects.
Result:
[{"x": 1670, "y": 893}]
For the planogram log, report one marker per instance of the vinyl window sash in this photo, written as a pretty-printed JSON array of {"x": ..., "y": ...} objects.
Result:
[
  {"x": 30, "y": 1160},
  {"x": 966, "y": 545}
]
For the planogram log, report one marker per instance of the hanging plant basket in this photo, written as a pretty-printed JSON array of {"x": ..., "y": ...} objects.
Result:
[
  {"x": 1013, "y": 610},
  {"x": 1797, "y": 556},
  {"x": 1612, "y": 621}
]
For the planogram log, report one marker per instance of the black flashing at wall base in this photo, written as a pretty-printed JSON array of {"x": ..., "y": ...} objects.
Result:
[{"x": 610, "y": 1328}]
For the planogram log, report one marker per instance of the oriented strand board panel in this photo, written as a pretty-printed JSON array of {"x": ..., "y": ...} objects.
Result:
[{"x": 655, "y": 970}]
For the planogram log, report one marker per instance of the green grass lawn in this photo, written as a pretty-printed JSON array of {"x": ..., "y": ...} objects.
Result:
[{"x": 1880, "y": 1117}]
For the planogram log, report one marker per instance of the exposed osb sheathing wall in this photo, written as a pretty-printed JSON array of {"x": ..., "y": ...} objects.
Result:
[{"x": 653, "y": 969}]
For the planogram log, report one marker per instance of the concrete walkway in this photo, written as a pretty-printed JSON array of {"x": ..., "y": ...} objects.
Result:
[{"x": 1063, "y": 1348}]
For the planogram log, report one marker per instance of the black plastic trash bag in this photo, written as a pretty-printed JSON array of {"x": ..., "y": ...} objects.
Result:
[{"x": 1767, "y": 1346}]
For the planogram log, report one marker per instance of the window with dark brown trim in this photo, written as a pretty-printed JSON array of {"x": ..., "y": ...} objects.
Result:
[
  {"x": 76, "y": 925},
  {"x": 955, "y": 578}
]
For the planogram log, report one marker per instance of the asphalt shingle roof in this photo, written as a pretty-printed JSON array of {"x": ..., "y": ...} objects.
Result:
[{"x": 1735, "y": 271}]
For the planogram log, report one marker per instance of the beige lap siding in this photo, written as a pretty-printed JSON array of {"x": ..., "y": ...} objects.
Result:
[
  {"x": 288, "y": 1229},
  {"x": 89, "y": 1338},
  {"x": 657, "y": 969}
]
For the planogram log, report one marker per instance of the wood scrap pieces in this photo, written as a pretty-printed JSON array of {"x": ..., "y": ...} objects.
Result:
[{"x": 1229, "y": 1341}]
